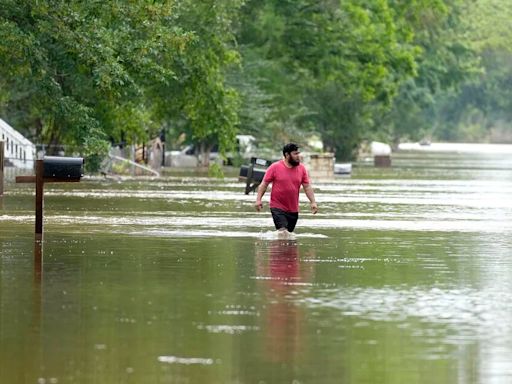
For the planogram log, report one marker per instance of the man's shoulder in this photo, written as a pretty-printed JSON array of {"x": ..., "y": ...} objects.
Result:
[
  {"x": 271, "y": 171},
  {"x": 275, "y": 164},
  {"x": 304, "y": 174},
  {"x": 302, "y": 167}
]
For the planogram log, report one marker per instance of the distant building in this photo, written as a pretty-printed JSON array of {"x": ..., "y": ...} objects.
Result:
[{"x": 19, "y": 152}]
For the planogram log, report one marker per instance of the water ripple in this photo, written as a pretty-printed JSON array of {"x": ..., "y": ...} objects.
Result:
[{"x": 483, "y": 313}]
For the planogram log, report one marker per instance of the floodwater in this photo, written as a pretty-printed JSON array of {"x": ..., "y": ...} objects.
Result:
[{"x": 404, "y": 276}]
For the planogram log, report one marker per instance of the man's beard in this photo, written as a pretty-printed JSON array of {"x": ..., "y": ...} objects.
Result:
[{"x": 293, "y": 163}]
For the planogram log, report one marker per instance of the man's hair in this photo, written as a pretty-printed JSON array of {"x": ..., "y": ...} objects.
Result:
[{"x": 289, "y": 148}]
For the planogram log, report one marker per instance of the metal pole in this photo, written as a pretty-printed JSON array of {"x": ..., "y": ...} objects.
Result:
[
  {"x": 1, "y": 168},
  {"x": 39, "y": 197},
  {"x": 163, "y": 154},
  {"x": 249, "y": 179},
  {"x": 133, "y": 157}
]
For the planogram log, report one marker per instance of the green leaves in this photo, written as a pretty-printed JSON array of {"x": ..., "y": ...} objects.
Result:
[
  {"x": 327, "y": 65},
  {"x": 74, "y": 71},
  {"x": 77, "y": 65}
]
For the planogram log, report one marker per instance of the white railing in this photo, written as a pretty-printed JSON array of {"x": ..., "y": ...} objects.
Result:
[{"x": 18, "y": 150}]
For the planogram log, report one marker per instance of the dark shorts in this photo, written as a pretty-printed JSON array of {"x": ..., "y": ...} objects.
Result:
[{"x": 283, "y": 219}]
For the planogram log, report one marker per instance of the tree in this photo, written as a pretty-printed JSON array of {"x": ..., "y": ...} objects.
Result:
[
  {"x": 330, "y": 62},
  {"x": 481, "y": 109},
  {"x": 207, "y": 104},
  {"x": 78, "y": 73},
  {"x": 448, "y": 61}
]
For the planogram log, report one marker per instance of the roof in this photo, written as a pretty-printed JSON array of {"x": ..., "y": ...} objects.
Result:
[{"x": 10, "y": 131}]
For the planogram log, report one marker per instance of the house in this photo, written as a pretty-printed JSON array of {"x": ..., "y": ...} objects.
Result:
[{"x": 19, "y": 152}]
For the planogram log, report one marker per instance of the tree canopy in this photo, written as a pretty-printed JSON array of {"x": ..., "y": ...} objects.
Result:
[{"x": 83, "y": 73}]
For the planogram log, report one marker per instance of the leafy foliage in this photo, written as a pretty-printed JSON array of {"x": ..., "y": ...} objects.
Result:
[
  {"x": 337, "y": 68},
  {"x": 80, "y": 70},
  {"x": 85, "y": 73}
]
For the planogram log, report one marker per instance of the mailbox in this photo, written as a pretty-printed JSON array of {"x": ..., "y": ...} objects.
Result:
[
  {"x": 70, "y": 168},
  {"x": 249, "y": 171},
  {"x": 253, "y": 174},
  {"x": 244, "y": 171},
  {"x": 52, "y": 169}
]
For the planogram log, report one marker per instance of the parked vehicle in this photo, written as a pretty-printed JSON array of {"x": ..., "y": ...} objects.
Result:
[
  {"x": 342, "y": 168},
  {"x": 189, "y": 156}
]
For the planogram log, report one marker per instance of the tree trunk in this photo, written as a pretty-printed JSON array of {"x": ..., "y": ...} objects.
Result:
[{"x": 204, "y": 154}]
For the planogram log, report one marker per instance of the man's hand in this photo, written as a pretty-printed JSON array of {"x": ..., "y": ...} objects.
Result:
[
  {"x": 314, "y": 208},
  {"x": 261, "y": 191}
]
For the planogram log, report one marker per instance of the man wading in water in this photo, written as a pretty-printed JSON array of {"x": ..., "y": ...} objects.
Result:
[{"x": 286, "y": 177}]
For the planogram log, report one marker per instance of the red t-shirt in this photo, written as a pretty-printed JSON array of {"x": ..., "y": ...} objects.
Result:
[{"x": 286, "y": 184}]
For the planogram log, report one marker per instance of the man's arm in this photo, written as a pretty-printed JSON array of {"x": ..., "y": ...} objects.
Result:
[
  {"x": 308, "y": 189},
  {"x": 261, "y": 191}
]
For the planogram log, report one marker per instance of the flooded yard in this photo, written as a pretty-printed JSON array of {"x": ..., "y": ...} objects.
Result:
[{"x": 402, "y": 277}]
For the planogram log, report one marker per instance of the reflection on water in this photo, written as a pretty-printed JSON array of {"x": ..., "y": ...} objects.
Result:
[
  {"x": 279, "y": 273},
  {"x": 403, "y": 277},
  {"x": 458, "y": 148},
  {"x": 184, "y": 360}
]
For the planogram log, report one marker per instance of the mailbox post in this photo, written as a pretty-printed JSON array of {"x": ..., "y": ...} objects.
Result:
[{"x": 51, "y": 169}]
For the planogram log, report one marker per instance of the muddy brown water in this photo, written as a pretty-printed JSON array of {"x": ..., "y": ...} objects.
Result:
[{"x": 403, "y": 277}]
